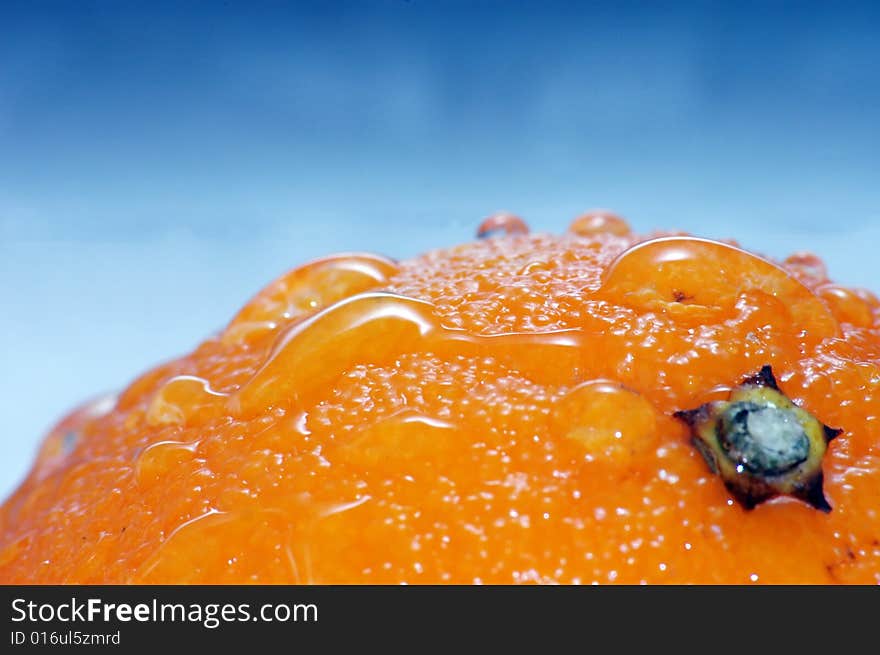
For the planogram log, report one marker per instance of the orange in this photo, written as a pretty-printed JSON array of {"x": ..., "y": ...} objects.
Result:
[{"x": 523, "y": 408}]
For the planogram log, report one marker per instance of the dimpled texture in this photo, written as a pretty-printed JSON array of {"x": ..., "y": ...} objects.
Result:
[{"x": 436, "y": 445}]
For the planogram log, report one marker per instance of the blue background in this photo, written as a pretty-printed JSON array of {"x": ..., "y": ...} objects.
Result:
[{"x": 160, "y": 162}]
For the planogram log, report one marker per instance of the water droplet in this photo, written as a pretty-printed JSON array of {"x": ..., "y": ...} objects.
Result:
[
  {"x": 403, "y": 437},
  {"x": 599, "y": 221},
  {"x": 182, "y": 400},
  {"x": 267, "y": 545},
  {"x": 64, "y": 437},
  {"x": 244, "y": 331},
  {"x": 192, "y": 549},
  {"x": 376, "y": 328},
  {"x": 68, "y": 443},
  {"x": 144, "y": 385},
  {"x": 718, "y": 392},
  {"x": 806, "y": 265},
  {"x": 551, "y": 358},
  {"x": 308, "y": 289},
  {"x": 11, "y": 552},
  {"x": 868, "y": 297},
  {"x": 609, "y": 423},
  {"x": 367, "y": 328},
  {"x": 536, "y": 267},
  {"x": 847, "y": 305},
  {"x": 701, "y": 280},
  {"x": 301, "y": 424},
  {"x": 161, "y": 458},
  {"x": 332, "y": 509},
  {"x": 502, "y": 224}
]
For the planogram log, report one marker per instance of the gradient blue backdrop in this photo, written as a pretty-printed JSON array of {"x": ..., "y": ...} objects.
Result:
[{"x": 159, "y": 162}]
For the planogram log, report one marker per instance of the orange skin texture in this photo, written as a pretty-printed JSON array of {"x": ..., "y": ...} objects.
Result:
[{"x": 497, "y": 412}]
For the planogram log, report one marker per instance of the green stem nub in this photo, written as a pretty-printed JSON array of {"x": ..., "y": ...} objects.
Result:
[
  {"x": 764, "y": 440},
  {"x": 761, "y": 444}
]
